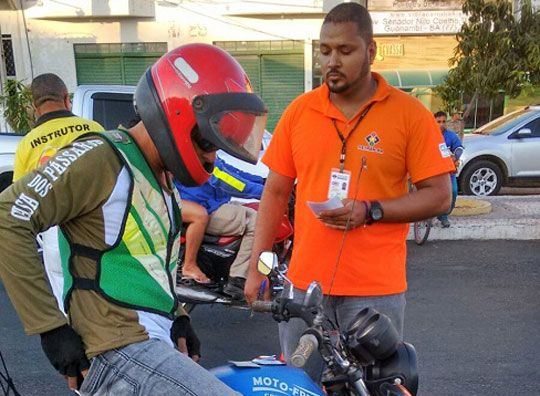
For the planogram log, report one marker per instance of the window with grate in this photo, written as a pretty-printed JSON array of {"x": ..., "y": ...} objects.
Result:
[
  {"x": 316, "y": 65},
  {"x": 9, "y": 59},
  {"x": 275, "y": 70},
  {"x": 484, "y": 111},
  {"x": 115, "y": 63}
]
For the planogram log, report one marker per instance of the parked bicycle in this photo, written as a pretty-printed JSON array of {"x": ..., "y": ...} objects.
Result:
[{"x": 421, "y": 228}]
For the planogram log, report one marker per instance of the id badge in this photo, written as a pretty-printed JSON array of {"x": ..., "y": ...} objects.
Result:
[{"x": 339, "y": 183}]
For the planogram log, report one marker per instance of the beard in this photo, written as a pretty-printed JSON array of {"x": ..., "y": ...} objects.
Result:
[{"x": 340, "y": 88}]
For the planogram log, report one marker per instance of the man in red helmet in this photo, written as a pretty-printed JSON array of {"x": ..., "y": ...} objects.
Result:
[{"x": 118, "y": 211}]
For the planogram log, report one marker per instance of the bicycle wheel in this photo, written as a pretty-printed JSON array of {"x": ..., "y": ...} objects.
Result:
[{"x": 421, "y": 231}]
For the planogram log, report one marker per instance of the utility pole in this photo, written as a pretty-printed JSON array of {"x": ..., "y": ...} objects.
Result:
[{"x": 3, "y": 78}]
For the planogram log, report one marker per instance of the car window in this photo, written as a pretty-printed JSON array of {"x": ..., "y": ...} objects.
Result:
[
  {"x": 503, "y": 124},
  {"x": 113, "y": 109},
  {"x": 534, "y": 126}
]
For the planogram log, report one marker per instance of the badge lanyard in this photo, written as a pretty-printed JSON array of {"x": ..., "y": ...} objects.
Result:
[{"x": 344, "y": 139}]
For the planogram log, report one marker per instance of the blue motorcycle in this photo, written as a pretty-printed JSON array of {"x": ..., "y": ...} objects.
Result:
[{"x": 366, "y": 360}]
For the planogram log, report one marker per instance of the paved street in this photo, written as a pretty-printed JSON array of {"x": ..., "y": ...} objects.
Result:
[{"x": 473, "y": 313}]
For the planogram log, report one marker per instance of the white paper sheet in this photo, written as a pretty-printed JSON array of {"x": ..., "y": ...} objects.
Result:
[{"x": 332, "y": 203}]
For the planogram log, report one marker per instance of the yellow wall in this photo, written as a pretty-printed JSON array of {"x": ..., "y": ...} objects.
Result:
[
  {"x": 413, "y": 52},
  {"x": 416, "y": 53}
]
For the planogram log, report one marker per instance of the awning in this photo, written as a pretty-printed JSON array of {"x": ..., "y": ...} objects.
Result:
[{"x": 414, "y": 78}]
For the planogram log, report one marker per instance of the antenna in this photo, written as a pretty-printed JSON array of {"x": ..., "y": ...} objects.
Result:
[{"x": 364, "y": 166}]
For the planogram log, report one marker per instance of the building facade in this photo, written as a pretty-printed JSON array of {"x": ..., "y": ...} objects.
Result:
[{"x": 114, "y": 41}]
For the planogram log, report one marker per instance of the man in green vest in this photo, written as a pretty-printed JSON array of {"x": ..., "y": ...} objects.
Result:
[{"x": 118, "y": 211}]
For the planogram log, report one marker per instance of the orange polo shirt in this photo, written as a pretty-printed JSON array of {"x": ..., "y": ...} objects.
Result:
[{"x": 398, "y": 136}]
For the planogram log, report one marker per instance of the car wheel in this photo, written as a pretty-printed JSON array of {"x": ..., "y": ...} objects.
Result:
[
  {"x": 5, "y": 180},
  {"x": 481, "y": 178}
]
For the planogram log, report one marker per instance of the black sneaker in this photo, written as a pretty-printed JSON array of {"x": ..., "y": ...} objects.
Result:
[
  {"x": 445, "y": 223},
  {"x": 235, "y": 288}
]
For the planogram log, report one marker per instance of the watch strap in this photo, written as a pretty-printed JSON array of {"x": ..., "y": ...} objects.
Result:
[{"x": 366, "y": 216}]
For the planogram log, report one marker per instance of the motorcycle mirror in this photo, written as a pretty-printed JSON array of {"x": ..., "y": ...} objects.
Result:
[
  {"x": 267, "y": 262},
  {"x": 314, "y": 295}
]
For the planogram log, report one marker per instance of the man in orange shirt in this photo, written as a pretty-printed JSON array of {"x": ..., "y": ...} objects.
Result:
[{"x": 356, "y": 132}]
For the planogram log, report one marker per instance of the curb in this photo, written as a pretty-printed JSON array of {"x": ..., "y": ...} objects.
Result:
[
  {"x": 525, "y": 229},
  {"x": 498, "y": 217},
  {"x": 469, "y": 207}
]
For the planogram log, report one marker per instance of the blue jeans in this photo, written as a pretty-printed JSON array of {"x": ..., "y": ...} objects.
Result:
[
  {"x": 454, "y": 197},
  {"x": 150, "y": 368},
  {"x": 342, "y": 311}
]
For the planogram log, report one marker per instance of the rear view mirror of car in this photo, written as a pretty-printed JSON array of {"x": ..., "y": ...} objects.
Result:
[{"x": 524, "y": 132}]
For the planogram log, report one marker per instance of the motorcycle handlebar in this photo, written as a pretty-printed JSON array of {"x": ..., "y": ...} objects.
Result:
[
  {"x": 262, "y": 306},
  {"x": 285, "y": 310},
  {"x": 307, "y": 344}
]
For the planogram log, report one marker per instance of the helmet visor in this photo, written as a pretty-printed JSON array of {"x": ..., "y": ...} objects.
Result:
[{"x": 233, "y": 122}]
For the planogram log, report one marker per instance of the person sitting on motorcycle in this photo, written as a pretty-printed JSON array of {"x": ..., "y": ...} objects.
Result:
[
  {"x": 229, "y": 218},
  {"x": 196, "y": 218}
]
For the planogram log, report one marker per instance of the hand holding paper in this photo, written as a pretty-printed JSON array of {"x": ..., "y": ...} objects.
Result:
[{"x": 332, "y": 203}]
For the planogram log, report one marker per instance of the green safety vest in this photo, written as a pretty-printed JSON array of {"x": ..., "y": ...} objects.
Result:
[{"x": 138, "y": 270}]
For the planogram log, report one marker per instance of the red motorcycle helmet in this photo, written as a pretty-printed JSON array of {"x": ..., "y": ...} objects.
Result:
[{"x": 198, "y": 92}]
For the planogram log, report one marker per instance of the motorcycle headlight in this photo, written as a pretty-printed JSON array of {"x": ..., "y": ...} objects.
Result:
[
  {"x": 401, "y": 365},
  {"x": 371, "y": 336}
]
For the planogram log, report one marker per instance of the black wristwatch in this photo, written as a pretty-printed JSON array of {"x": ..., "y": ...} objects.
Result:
[{"x": 375, "y": 213}]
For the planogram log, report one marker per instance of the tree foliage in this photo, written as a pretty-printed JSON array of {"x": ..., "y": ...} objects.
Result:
[
  {"x": 18, "y": 109},
  {"x": 494, "y": 52}
]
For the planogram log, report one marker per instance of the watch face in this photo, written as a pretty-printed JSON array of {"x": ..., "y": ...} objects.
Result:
[{"x": 376, "y": 214}]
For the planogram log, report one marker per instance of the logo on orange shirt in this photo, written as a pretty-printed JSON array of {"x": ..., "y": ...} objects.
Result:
[{"x": 372, "y": 139}]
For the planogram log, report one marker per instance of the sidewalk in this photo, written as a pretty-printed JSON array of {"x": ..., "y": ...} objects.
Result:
[{"x": 511, "y": 217}]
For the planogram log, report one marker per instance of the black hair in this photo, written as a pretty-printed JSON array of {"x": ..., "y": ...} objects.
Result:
[
  {"x": 47, "y": 87},
  {"x": 439, "y": 114},
  {"x": 352, "y": 12}
]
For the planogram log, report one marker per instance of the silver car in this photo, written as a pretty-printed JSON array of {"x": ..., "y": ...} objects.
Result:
[{"x": 504, "y": 152}]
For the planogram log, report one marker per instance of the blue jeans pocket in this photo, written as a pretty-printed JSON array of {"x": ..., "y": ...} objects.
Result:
[
  {"x": 92, "y": 377},
  {"x": 105, "y": 379}
]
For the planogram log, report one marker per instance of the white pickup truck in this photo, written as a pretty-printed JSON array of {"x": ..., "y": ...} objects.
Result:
[
  {"x": 110, "y": 105},
  {"x": 8, "y": 145}
]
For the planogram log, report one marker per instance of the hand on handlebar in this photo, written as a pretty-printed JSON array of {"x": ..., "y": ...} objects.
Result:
[
  {"x": 252, "y": 289},
  {"x": 337, "y": 218}
]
